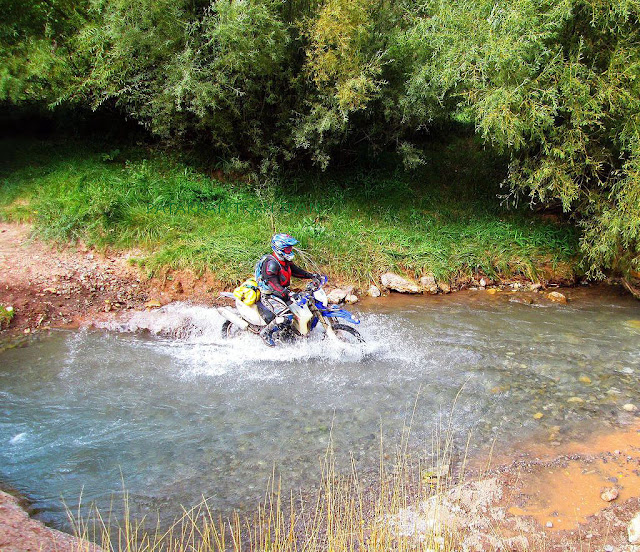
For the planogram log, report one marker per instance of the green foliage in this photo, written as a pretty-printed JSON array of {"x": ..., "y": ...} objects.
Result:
[
  {"x": 555, "y": 84},
  {"x": 6, "y": 315},
  {"x": 355, "y": 224},
  {"x": 35, "y": 48}
]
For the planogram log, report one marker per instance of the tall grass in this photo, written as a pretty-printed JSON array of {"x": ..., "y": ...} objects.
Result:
[
  {"x": 348, "y": 512},
  {"x": 446, "y": 219}
]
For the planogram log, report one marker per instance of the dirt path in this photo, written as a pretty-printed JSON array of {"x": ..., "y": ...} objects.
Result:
[{"x": 62, "y": 287}]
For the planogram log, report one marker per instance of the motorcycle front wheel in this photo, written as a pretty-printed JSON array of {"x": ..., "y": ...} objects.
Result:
[{"x": 347, "y": 334}]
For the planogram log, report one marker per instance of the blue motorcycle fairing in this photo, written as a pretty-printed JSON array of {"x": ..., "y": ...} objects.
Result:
[{"x": 340, "y": 313}]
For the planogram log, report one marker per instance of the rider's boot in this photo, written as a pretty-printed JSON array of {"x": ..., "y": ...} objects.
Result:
[{"x": 267, "y": 331}]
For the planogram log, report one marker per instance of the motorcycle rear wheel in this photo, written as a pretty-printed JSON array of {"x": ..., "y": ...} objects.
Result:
[
  {"x": 229, "y": 330},
  {"x": 347, "y": 334}
]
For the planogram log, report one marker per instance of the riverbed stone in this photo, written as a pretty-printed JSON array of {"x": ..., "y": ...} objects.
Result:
[
  {"x": 630, "y": 407},
  {"x": 153, "y": 303},
  {"x": 397, "y": 283},
  {"x": 576, "y": 400},
  {"x": 608, "y": 495},
  {"x": 374, "y": 291},
  {"x": 633, "y": 529},
  {"x": 444, "y": 287},
  {"x": 522, "y": 299},
  {"x": 556, "y": 297},
  {"x": 428, "y": 283},
  {"x": 351, "y": 299},
  {"x": 336, "y": 296}
]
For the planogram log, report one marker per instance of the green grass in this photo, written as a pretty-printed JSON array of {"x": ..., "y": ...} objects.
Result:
[{"x": 443, "y": 219}]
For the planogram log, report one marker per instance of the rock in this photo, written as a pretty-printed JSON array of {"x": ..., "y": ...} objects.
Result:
[
  {"x": 177, "y": 287},
  {"x": 516, "y": 285},
  {"x": 630, "y": 407},
  {"x": 633, "y": 529},
  {"x": 521, "y": 299},
  {"x": 444, "y": 287},
  {"x": 584, "y": 379},
  {"x": 610, "y": 494},
  {"x": 575, "y": 400},
  {"x": 538, "y": 415},
  {"x": 549, "y": 524},
  {"x": 336, "y": 296},
  {"x": 153, "y": 304},
  {"x": 398, "y": 283},
  {"x": 374, "y": 291},
  {"x": 535, "y": 287},
  {"x": 428, "y": 283},
  {"x": 556, "y": 297},
  {"x": 483, "y": 283},
  {"x": 351, "y": 299},
  {"x": 493, "y": 291},
  {"x": 608, "y": 548}
]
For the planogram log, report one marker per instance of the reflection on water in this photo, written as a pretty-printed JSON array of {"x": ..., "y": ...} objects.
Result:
[{"x": 178, "y": 413}]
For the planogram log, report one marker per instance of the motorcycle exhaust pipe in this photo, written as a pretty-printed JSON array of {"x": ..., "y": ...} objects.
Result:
[{"x": 232, "y": 317}]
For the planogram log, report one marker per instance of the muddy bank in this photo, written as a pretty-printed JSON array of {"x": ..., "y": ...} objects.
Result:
[{"x": 580, "y": 496}]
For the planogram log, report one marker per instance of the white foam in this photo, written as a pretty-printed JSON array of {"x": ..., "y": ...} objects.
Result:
[
  {"x": 17, "y": 438},
  {"x": 192, "y": 335}
]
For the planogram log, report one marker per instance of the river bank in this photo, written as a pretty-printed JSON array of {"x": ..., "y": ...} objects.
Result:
[{"x": 49, "y": 286}]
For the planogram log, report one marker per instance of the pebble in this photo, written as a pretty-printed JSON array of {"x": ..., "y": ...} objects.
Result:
[
  {"x": 630, "y": 407},
  {"x": 609, "y": 494},
  {"x": 575, "y": 400},
  {"x": 608, "y": 548},
  {"x": 584, "y": 379},
  {"x": 538, "y": 415},
  {"x": 549, "y": 524},
  {"x": 351, "y": 299}
]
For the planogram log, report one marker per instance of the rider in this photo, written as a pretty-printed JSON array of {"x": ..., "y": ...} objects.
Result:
[{"x": 273, "y": 274}]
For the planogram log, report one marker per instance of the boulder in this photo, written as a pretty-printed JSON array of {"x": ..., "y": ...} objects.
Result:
[
  {"x": 444, "y": 287},
  {"x": 633, "y": 529},
  {"x": 336, "y": 295},
  {"x": 428, "y": 283},
  {"x": 351, "y": 299},
  {"x": 374, "y": 291},
  {"x": 556, "y": 297},
  {"x": 398, "y": 283}
]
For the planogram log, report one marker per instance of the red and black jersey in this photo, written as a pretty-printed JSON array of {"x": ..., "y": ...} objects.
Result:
[{"x": 276, "y": 274}]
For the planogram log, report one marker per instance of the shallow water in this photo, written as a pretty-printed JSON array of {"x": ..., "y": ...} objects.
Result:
[{"x": 176, "y": 413}]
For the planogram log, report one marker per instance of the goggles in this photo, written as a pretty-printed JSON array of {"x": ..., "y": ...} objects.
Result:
[{"x": 287, "y": 249}]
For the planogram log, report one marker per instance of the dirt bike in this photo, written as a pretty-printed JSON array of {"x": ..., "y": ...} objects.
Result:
[{"x": 306, "y": 311}]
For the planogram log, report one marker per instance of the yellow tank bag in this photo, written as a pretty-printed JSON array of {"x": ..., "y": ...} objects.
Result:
[{"x": 248, "y": 292}]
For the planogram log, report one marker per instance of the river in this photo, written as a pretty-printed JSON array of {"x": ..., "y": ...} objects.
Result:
[{"x": 162, "y": 405}]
